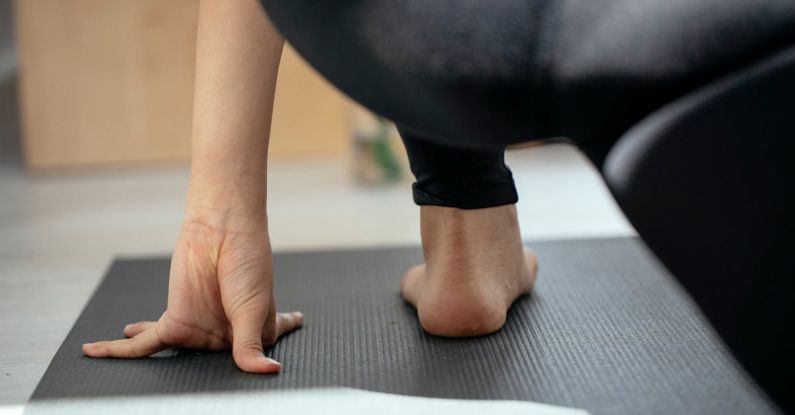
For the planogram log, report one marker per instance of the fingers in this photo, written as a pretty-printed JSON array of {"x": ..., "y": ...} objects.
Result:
[
  {"x": 132, "y": 330},
  {"x": 144, "y": 344},
  {"x": 247, "y": 343},
  {"x": 287, "y": 322}
]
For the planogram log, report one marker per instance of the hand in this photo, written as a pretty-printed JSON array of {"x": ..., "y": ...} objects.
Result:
[{"x": 220, "y": 295}]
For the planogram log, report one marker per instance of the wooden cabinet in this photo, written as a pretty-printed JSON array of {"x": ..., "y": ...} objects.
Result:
[{"x": 111, "y": 82}]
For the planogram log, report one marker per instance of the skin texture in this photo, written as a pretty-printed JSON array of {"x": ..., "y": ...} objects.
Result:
[
  {"x": 220, "y": 285},
  {"x": 476, "y": 267},
  {"x": 221, "y": 279}
]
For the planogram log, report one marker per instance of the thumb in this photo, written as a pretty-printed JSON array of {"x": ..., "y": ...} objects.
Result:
[{"x": 247, "y": 343}]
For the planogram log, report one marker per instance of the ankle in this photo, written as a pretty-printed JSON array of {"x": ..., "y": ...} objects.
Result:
[
  {"x": 464, "y": 235},
  {"x": 475, "y": 267}
]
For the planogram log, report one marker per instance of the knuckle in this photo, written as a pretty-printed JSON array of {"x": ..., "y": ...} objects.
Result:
[
  {"x": 131, "y": 350},
  {"x": 248, "y": 346},
  {"x": 175, "y": 335}
]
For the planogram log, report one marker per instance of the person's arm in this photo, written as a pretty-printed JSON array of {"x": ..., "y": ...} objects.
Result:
[
  {"x": 237, "y": 59},
  {"x": 220, "y": 285}
]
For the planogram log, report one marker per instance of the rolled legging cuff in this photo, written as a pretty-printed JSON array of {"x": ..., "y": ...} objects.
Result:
[
  {"x": 458, "y": 177},
  {"x": 473, "y": 192}
]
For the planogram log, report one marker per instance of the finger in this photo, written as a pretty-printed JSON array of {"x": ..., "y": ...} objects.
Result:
[
  {"x": 247, "y": 344},
  {"x": 144, "y": 344},
  {"x": 410, "y": 285},
  {"x": 287, "y": 322},
  {"x": 132, "y": 330}
]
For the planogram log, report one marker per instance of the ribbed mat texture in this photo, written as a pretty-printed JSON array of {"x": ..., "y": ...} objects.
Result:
[{"x": 607, "y": 329}]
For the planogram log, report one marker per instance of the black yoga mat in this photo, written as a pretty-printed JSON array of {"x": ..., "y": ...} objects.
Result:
[{"x": 607, "y": 330}]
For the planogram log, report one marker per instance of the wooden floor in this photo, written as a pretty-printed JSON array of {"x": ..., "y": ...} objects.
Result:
[{"x": 59, "y": 233}]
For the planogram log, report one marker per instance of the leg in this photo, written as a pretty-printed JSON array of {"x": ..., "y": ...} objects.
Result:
[
  {"x": 475, "y": 264},
  {"x": 707, "y": 182}
]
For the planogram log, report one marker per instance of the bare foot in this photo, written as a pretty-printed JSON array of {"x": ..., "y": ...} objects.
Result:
[{"x": 475, "y": 267}]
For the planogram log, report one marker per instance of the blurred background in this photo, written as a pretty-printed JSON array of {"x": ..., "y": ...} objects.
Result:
[{"x": 95, "y": 119}]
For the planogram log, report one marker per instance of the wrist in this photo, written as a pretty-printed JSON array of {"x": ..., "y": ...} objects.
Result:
[
  {"x": 213, "y": 221},
  {"x": 228, "y": 209}
]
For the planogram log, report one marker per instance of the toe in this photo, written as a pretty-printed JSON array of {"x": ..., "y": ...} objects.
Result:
[
  {"x": 410, "y": 286},
  {"x": 532, "y": 263}
]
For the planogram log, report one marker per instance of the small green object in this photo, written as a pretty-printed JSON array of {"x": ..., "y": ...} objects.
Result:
[{"x": 383, "y": 154}]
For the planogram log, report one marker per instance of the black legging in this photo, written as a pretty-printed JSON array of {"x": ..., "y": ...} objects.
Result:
[
  {"x": 465, "y": 78},
  {"x": 469, "y": 73},
  {"x": 457, "y": 177}
]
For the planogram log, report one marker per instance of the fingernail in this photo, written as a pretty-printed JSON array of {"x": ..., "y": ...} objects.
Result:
[
  {"x": 271, "y": 361},
  {"x": 127, "y": 327}
]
